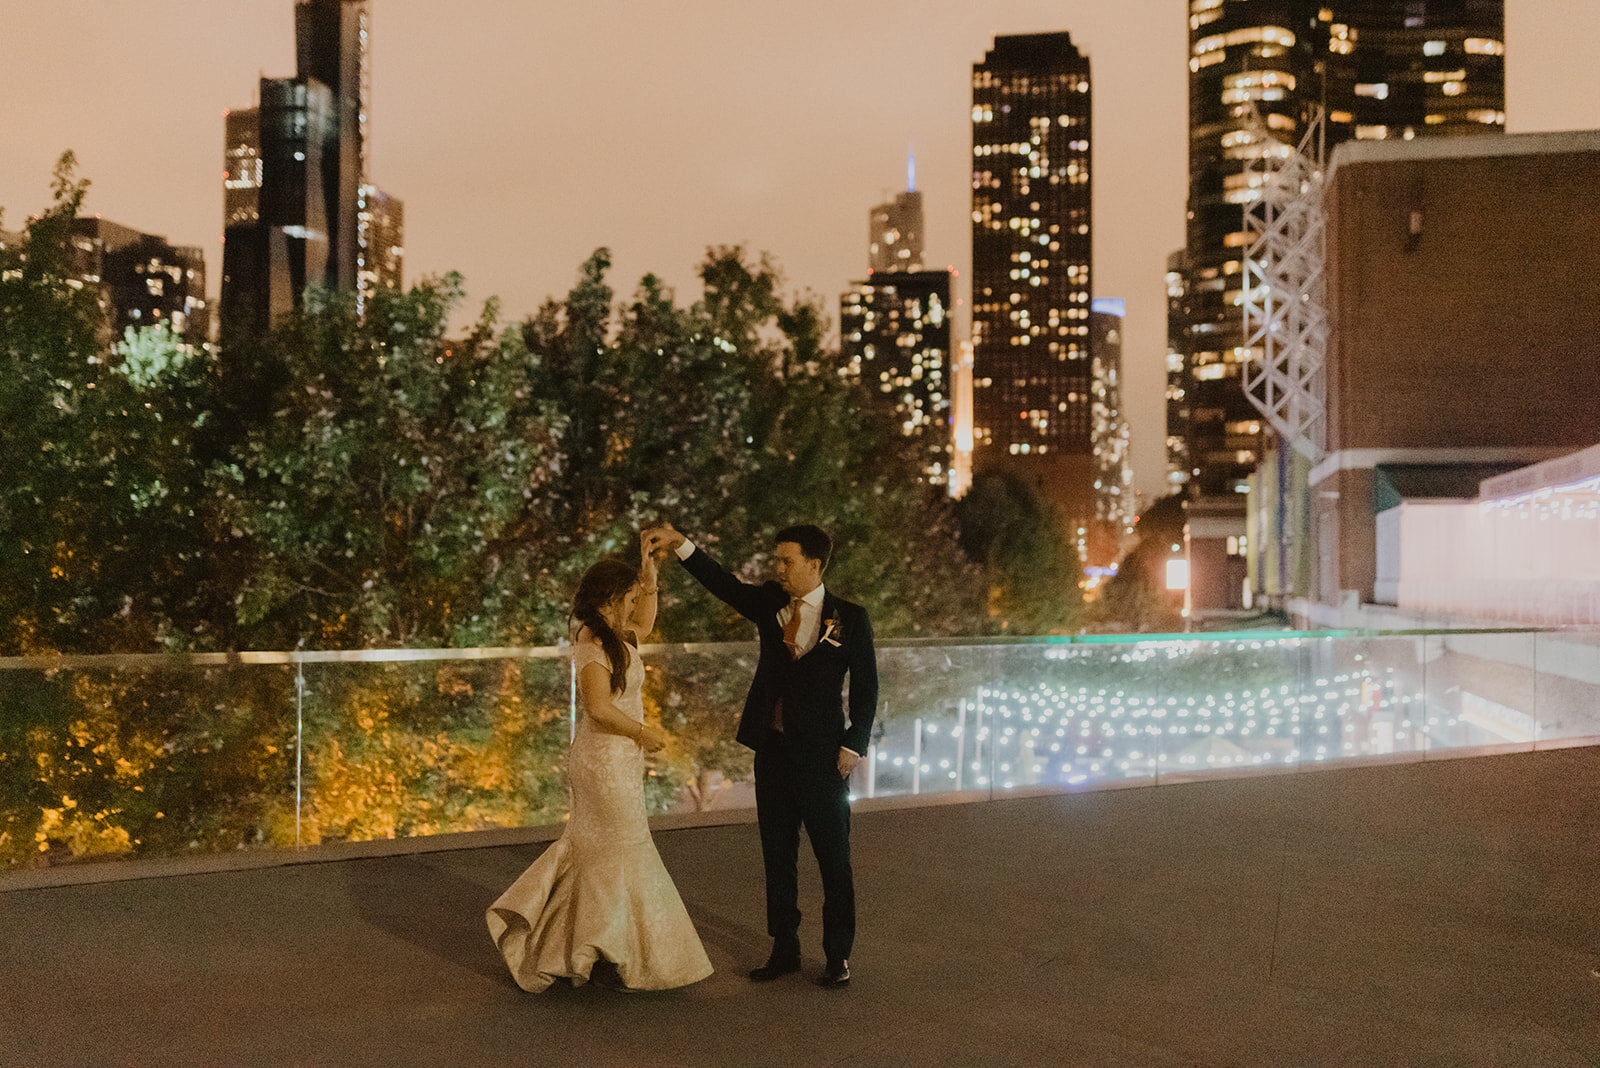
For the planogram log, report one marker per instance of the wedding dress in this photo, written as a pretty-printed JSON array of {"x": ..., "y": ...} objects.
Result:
[{"x": 600, "y": 892}]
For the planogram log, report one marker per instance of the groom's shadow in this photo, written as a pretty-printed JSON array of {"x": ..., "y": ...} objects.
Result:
[
  {"x": 430, "y": 908},
  {"x": 740, "y": 944}
]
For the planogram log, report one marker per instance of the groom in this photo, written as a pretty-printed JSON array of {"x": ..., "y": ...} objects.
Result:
[{"x": 794, "y": 719}]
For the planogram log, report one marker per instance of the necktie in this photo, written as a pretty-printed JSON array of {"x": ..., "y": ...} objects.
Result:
[
  {"x": 791, "y": 629},
  {"x": 791, "y": 637}
]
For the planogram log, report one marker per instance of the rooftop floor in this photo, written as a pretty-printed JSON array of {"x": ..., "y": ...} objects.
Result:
[{"x": 1445, "y": 912}]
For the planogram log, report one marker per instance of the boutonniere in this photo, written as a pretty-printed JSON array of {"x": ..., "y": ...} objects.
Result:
[{"x": 831, "y": 632}]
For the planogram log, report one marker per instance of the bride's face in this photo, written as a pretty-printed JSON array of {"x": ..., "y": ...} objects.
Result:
[{"x": 620, "y": 609}]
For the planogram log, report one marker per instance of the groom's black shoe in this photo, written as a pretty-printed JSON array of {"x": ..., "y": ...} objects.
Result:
[
  {"x": 837, "y": 975},
  {"x": 780, "y": 963}
]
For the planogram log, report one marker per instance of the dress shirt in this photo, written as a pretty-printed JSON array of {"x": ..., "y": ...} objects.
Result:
[{"x": 810, "y": 620}]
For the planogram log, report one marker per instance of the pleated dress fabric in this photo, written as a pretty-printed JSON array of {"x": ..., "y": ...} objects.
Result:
[{"x": 600, "y": 891}]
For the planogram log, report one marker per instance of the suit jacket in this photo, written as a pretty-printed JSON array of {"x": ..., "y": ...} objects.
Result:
[{"x": 811, "y": 687}]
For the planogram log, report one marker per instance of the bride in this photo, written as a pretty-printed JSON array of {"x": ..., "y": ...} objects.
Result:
[{"x": 600, "y": 892}]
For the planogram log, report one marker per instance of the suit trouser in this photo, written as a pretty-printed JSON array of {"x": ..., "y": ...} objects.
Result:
[{"x": 800, "y": 784}]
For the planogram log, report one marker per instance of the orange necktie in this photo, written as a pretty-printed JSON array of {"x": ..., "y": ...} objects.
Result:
[
  {"x": 791, "y": 636},
  {"x": 791, "y": 629}
]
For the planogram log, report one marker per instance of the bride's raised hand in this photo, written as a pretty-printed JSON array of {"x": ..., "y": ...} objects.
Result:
[{"x": 649, "y": 556}]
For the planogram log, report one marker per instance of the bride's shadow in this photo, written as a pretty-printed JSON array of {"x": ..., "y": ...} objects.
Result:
[
  {"x": 428, "y": 907},
  {"x": 442, "y": 913}
]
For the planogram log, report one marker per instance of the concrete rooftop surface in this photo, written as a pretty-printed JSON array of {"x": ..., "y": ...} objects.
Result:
[{"x": 1438, "y": 913}]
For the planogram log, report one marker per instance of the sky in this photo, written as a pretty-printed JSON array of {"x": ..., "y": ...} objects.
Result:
[{"x": 523, "y": 135}]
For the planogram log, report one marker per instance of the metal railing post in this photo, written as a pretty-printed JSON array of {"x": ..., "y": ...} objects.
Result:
[{"x": 299, "y": 743}]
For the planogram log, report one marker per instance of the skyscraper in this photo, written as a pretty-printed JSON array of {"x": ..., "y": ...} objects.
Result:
[
  {"x": 1114, "y": 506},
  {"x": 331, "y": 38},
  {"x": 141, "y": 279},
  {"x": 380, "y": 241},
  {"x": 895, "y": 333},
  {"x": 298, "y": 209},
  {"x": 241, "y": 166},
  {"x": 1258, "y": 70},
  {"x": 268, "y": 260},
  {"x": 895, "y": 234},
  {"x": 1031, "y": 266},
  {"x": 894, "y": 329}
]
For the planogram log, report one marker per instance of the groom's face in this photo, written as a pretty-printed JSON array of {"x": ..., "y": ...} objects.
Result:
[{"x": 795, "y": 572}]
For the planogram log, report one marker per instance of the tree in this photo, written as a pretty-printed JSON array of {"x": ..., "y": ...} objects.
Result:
[
  {"x": 102, "y": 539},
  {"x": 1034, "y": 576},
  {"x": 1136, "y": 597},
  {"x": 392, "y": 497}
]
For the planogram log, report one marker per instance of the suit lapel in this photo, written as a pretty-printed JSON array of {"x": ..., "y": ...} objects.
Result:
[{"x": 829, "y": 609}]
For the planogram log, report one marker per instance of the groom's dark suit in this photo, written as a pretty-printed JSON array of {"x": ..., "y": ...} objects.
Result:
[{"x": 797, "y": 773}]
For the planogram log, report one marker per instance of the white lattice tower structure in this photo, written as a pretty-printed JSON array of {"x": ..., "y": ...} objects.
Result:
[{"x": 1285, "y": 316}]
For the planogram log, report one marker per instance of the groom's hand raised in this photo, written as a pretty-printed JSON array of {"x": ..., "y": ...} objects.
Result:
[{"x": 663, "y": 537}]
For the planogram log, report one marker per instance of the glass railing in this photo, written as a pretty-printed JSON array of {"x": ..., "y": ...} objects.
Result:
[{"x": 113, "y": 757}]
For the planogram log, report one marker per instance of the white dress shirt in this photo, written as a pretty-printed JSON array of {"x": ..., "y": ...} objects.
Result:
[{"x": 810, "y": 620}]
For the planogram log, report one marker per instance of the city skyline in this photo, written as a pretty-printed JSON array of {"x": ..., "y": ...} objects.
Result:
[{"x": 771, "y": 129}]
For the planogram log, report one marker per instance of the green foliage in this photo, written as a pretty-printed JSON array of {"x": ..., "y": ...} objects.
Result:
[
  {"x": 1136, "y": 598},
  {"x": 392, "y": 495},
  {"x": 1034, "y": 575},
  {"x": 366, "y": 480},
  {"x": 732, "y": 419},
  {"x": 101, "y": 536}
]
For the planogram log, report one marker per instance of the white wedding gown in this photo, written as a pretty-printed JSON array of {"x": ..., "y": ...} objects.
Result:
[{"x": 600, "y": 891}]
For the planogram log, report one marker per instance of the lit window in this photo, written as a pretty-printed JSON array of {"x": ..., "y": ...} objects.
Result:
[
  {"x": 1371, "y": 133},
  {"x": 1375, "y": 90},
  {"x": 1483, "y": 46},
  {"x": 1264, "y": 78},
  {"x": 1433, "y": 48}
]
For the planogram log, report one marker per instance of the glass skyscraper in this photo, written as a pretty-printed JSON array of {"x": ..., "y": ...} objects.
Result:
[
  {"x": 1258, "y": 70},
  {"x": 1031, "y": 266},
  {"x": 298, "y": 209}
]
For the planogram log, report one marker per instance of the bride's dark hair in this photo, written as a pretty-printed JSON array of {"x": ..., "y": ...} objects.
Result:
[{"x": 603, "y": 583}]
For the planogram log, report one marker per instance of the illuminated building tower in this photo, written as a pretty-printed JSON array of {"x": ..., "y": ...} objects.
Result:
[
  {"x": 1114, "y": 506},
  {"x": 895, "y": 334},
  {"x": 331, "y": 38},
  {"x": 1031, "y": 267},
  {"x": 1260, "y": 69},
  {"x": 298, "y": 208},
  {"x": 241, "y": 167},
  {"x": 142, "y": 279},
  {"x": 896, "y": 231},
  {"x": 380, "y": 245},
  {"x": 268, "y": 261}
]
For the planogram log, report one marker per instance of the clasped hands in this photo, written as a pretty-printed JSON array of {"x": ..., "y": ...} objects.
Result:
[{"x": 656, "y": 542}]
